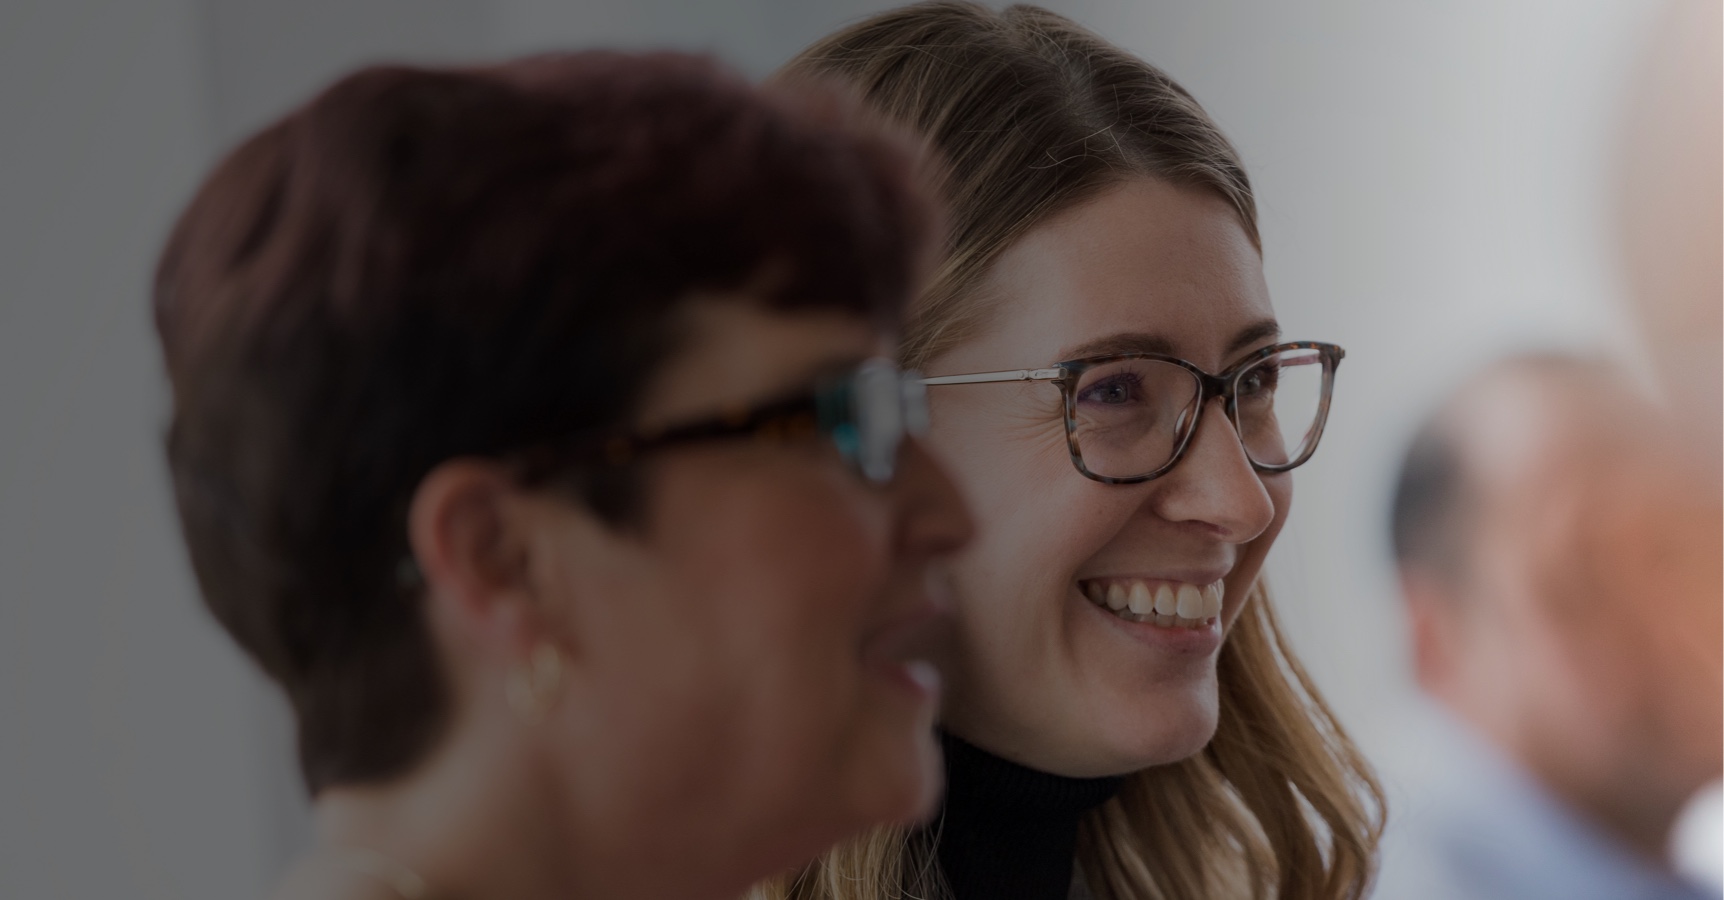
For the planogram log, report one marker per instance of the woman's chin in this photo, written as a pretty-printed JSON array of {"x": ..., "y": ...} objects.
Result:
[
  {"x": 1170, "y": 736},
  {"x": 1163, "y": 734},
  {"x": 900, "y": 782},
  {"x": 900, "y": 789}
]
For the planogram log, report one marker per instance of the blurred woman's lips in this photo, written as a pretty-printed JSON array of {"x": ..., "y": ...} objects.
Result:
[{"x": 915, "y": 676}]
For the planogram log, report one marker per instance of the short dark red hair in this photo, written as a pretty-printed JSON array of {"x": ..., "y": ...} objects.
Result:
[{"x": 422, "y": 264}]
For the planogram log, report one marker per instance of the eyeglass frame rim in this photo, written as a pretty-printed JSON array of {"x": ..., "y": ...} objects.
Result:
[
  {"x": 1065, "y": 374},
  {"x": 798, "y": 411}
]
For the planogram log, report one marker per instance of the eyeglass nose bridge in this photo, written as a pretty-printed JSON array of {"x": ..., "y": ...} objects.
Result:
[{"x": 1209, "y": 387}]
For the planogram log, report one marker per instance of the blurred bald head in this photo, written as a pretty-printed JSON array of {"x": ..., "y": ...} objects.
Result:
[
  {"x": 1536, "y": 522},
  {"x": 1494, "y": 453}
]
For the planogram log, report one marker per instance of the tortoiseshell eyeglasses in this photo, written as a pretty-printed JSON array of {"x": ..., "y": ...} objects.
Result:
[{"x": 1129, "y": 417}]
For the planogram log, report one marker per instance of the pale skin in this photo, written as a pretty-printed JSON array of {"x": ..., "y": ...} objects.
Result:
[
  {"x": 1039, "y": 674},
  {"x": 737, "y": 691},
  {"x": 1671, "y": 227}
]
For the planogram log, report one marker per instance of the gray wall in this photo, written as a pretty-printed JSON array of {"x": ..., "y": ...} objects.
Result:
[
  {"x": 126, "y": 740},
  {"x": 140, "y": 755},
  {"x": 1430, "y": 180}
]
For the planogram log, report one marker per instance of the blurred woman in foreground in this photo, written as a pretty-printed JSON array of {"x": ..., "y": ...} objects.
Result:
[
  {"x": 530, "y": 431},
  {"x": 1120, "y": 407}
]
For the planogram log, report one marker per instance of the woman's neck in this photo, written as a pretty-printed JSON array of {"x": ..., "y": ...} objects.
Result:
[
  {"x": 499, "y": 811},
  {"x": 480, "y": 818}
]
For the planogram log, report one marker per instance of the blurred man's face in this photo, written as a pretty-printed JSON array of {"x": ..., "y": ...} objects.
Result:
[
  {"x": 1489, "y": 638},
  {"x": 1583, "y": 636},
  {"x": 1632, "y": 574},
  {"x": 1534, "y": 622}
]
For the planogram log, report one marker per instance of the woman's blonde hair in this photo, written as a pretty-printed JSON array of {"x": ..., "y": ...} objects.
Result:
[{"x": 1033, "y": 115}]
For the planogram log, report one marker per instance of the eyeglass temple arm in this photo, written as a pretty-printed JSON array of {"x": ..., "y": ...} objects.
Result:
[{"x": 1053, "y": 374}]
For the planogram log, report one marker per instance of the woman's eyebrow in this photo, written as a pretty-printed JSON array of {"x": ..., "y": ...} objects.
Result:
[
  {"x": 1128, "y": 342},
  {"x": 1142, "y": 342},
  {"x": 1265, "y": 330}
]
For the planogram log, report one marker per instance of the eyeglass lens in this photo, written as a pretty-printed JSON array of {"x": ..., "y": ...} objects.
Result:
[
  {"x": 878, "y": 406},
  {"x": 1131, "y": 415}
]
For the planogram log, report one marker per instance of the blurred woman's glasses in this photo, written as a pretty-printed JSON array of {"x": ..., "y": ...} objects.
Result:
[
  {"x": 1130, "y": 416},
  {"x": 867, "y": 413}
]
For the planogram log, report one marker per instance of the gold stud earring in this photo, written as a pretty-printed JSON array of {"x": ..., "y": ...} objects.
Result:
[{"x": 534, "y": 683}]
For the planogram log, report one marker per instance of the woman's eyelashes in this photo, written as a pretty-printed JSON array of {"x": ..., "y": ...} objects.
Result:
[
  {"x": 1260, "y": 381},
  {"x": 1114, "y": 390}
]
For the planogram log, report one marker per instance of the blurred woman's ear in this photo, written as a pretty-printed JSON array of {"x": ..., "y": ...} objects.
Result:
[{"x": 470, "y": 535}]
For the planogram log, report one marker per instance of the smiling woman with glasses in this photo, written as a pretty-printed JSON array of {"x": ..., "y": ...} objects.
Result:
[{"x": 1109, "y": 385}]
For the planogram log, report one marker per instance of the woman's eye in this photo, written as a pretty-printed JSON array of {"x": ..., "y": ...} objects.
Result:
[
  {"x": 1114, "y": 391},
  {"x": 1259, "y": 380}
]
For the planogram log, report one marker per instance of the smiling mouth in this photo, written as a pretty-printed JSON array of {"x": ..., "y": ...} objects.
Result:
[{"x": 1169, "y": 604}]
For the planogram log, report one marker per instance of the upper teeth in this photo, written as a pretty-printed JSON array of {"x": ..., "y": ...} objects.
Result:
[{"x": 1165, "y": 603}]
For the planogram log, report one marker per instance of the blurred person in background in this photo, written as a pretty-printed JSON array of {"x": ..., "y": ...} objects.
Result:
[
  {"x": 1547, "y": 536},
  {"x": 1560, "y": 540},
  {"x": 529, "y": 429},
  {"x": 1120, "y": 408},
  {"x": 1671, "y": 192}
]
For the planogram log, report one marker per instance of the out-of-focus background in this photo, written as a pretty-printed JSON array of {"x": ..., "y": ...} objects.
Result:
[{"x": 1434, "y": 180}]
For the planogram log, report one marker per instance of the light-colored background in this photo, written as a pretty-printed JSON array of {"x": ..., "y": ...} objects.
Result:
[{"x": 1432, "y": 177}]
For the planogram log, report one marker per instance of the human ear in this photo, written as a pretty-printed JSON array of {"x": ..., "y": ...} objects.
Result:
[
  {"x": 1431, "y": 630},
  {"x": 471, "y": 541}
]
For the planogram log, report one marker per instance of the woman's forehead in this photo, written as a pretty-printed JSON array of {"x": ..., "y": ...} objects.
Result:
[{"x": 1145, "y": 261}]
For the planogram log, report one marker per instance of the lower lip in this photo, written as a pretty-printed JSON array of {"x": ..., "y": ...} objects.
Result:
[{"x": 1184, "y": 641}]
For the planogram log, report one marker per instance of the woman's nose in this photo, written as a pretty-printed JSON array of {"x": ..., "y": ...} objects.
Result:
[
  {"x": 1214, "y": 484},
  {"x": 935, "y": 520}
]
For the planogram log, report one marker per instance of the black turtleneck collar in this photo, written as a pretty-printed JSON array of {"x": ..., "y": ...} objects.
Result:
[{"x": 1009, "y": 831}]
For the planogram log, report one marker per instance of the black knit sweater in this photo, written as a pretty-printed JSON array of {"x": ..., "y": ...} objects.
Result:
[{"x": 1008, "y": 832}]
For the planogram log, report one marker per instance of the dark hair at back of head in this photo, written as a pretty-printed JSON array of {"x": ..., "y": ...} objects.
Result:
[{"x": 1425, "y": 522}]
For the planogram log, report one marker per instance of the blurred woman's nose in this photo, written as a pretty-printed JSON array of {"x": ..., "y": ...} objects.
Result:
[
  {"x": 1214, "y": 485},
  {"x": 934, "y": 517}
]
